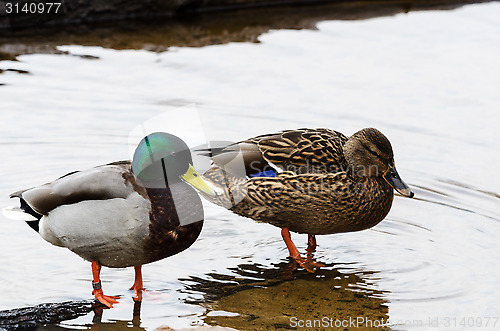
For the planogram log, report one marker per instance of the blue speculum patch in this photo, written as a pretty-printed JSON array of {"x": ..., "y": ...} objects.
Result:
[{"x": 267, "y": 173}]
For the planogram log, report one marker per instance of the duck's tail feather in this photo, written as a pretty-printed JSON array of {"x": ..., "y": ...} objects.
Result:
[
  {"x": 243, "y": 159},
  {"x": 15, "y": 213},
  {"x": 212, "y": 149},
  {"x": 18, "y": 194},
  {"x": 22, "y": 213}
]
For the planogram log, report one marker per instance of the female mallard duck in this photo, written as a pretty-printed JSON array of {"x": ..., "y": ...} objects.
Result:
[
  {"x": 314, "y": 181},
  {"x": 122, "y": 214}
]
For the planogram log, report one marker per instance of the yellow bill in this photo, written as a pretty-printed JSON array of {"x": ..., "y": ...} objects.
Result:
[{"x": 194, "y": 179}]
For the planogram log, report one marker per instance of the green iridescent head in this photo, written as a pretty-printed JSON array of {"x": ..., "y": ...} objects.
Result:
[
  {"x": 162, "y": 159},
  {"x": 161, "y": 156}
]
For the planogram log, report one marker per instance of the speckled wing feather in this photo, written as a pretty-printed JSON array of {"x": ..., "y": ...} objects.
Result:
[{"x": 304, "y": 150}]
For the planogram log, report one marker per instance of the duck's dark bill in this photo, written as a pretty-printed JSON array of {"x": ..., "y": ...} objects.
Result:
[{"x": 392, "y": 177}]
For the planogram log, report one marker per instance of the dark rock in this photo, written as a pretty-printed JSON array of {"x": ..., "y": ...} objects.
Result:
[
  {"x": 46, "y": 313},
  {"x": 157, "y": 34},
  {"x": 26, "y": 13}
]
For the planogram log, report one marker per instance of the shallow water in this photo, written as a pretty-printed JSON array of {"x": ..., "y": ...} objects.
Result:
[{"x": 428, "y": 80}]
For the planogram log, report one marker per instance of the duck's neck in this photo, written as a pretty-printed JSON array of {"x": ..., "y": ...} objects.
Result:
[
  {"x": 163, "y": 182},
  {"x": 174, "y": 205},
  {"x": 176, "y": 220}
]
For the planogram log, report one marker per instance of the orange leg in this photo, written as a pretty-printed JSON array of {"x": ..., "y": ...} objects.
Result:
[
  {"x": 311, "y": 243},
  {"x": 106, "y": 300},
  {"x": 292, "y": 249},
  {"x": 311, "y": 248},
  {"x": 138, "y": 287}
]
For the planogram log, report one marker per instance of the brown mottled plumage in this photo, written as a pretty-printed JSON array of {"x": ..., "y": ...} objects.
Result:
[
  {"x": 324, "y": 182},
  {"x": 309, "y": 203}
]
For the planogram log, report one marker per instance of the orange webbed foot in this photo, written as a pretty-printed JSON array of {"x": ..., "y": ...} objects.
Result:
[
  {"x": 106, "y": 300},
  {"x": 308, "y": 264}
]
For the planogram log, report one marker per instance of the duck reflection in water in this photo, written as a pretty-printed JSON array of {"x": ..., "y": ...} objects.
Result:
[
  {"x": 134, "y": 324},
  {"x": 259, "y": 297}
]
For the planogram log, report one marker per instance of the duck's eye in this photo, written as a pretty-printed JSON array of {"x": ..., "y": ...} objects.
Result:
[{"x": 373, "y": 152}]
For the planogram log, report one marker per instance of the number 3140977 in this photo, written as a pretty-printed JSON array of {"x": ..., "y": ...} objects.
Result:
[{"x": 32, "y": 8}]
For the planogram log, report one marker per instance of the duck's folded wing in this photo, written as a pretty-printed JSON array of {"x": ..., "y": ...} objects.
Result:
[
  {"x": 304, "y": 150},
  {"x": 299, "y": 151},
  {"x": 99, "y": 183}
]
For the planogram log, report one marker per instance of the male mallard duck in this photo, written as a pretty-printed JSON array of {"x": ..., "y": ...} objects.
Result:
[
  {"x": 122, "y": 214},
  {"x": 314, "y": 181}
]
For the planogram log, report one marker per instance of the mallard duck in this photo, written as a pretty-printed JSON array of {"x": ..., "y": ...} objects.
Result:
[
  {"x": 124, "y": 213},
  {"x": 314, "y": 181}
]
